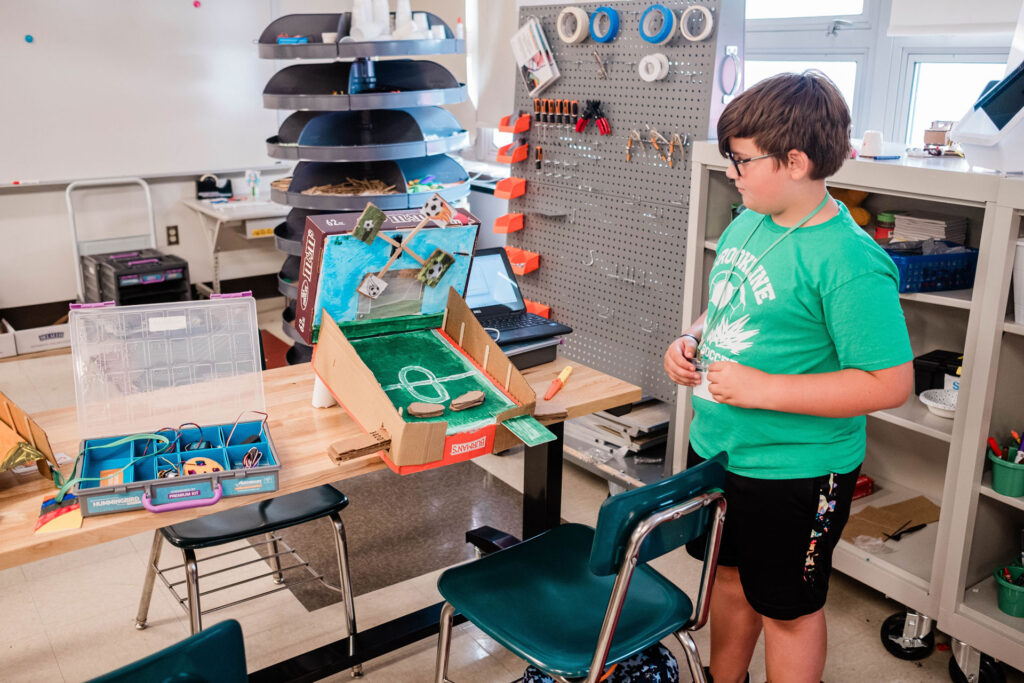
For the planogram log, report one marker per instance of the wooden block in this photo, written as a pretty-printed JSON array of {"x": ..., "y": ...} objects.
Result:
[
  {"x": 419, "y": 409},
  {"x": 550, "y": 411},
  {"x": 470, "y": 399},
  {"x": 357, "y": 446}
]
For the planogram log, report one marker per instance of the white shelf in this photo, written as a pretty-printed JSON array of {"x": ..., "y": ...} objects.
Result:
[
  {"x": 986, "y": 490},
  {"x": 913, "y": 415},
  {"x": 980, "y": 605},
  {"x": 1013, "y": 327},
  {"x": 956, "y": 298},
  {"x": 711, "y": 245}
]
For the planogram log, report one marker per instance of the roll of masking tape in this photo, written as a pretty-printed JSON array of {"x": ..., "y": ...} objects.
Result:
[
  {"x": 577, "y": 19},
  {"x": 649, "y": 20},
  {"x": 653, "y": 67},
  {"x": 688, "y": 14},
  {"x": 604, "y": 15}
]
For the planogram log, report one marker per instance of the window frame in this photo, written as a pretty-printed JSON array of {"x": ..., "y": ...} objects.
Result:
[
  {"x": 928, "y": 50},
  {"x": 882, "y": 94}
]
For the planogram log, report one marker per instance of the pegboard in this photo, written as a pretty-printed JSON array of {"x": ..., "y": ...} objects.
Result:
[{"x": 612, "y": 232}]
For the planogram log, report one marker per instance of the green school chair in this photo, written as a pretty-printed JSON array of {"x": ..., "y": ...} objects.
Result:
[
  {"x": 574, "y": 599},
  {"x": 216, "y": 655}
]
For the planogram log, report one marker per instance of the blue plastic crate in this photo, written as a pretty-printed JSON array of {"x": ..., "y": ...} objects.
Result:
[{"x": 933, "y": 272}]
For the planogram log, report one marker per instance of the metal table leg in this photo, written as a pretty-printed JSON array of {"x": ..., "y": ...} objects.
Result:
[{"x": 542, "y": 485}]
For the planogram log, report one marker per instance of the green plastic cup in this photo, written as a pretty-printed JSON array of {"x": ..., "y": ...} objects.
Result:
[
  {"x": 1010, "y": 597},
  {"x": 1007, "y": 477}
]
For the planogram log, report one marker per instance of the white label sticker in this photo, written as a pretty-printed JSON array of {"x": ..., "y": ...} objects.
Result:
[
  {"x": 702, "y": 390},
  {"x": 176, "y": 322}
]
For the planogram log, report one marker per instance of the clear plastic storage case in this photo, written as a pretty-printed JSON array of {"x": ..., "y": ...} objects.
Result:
[{"x": 187, "y": 371}]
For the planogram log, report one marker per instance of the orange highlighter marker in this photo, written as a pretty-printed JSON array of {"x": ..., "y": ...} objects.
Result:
[{"x": 557, "y": 383}]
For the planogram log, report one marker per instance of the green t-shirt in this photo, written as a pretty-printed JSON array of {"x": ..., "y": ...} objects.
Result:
[{"x": 825, "y": 298}]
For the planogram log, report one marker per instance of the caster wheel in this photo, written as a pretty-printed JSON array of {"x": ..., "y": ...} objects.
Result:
[
  {"x": 893, "y": 628},
  {"x": 990, "y": 671}
]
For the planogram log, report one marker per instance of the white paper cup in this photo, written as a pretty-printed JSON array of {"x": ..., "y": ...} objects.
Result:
[
  {"x": 872, "y": 144},
  {"x": 329, "y": 36}
]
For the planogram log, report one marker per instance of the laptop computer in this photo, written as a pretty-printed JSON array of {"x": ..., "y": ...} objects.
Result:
[{"x": 493, "y": 294}]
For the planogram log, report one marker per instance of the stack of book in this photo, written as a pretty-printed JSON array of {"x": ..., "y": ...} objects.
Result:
[{"x": 923, "y": 225}]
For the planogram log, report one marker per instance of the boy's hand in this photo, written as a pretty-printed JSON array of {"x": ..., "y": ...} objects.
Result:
[
  {"x": 737, "y": 385},
  {"x": 679, "y": 362}
]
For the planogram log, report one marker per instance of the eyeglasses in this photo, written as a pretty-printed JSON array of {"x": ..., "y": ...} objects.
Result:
[{"x": 736, "y": 163}]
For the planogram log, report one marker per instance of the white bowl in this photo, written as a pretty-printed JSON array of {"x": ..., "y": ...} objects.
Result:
[{"x": 942, "y": 402}]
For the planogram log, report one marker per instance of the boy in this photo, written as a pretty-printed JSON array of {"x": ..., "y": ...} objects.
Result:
[{"x": 804, "y": 335}]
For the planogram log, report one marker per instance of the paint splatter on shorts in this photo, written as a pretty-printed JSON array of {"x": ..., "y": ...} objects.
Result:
[{"x": 780, "y": 534}]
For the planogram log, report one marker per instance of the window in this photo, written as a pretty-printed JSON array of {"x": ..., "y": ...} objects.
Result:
[
  {"x": 843, "y": 74},
  {"x": 944, "y": 91},
  {"x": 787, "y": 9}
]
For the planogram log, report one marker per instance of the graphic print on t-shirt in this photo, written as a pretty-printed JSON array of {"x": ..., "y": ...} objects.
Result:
[{"x": 732, "y": 290}]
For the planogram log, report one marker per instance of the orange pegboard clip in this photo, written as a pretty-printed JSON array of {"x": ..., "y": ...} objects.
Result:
[
  {"x": 543, "y": 310},
  {"x": 510, "y": 188},
  {"x": 510, "y": 222},
  {"x": 522, "y": 261},
  {"x": 505, "y": 156},
  {"x": 521, "y": 125}
]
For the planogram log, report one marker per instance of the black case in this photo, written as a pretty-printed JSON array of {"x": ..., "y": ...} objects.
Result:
[{"x": 930, "y": 369}]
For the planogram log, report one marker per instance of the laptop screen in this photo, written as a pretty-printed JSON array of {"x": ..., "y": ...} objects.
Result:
[{"x": 492, "y": 283}]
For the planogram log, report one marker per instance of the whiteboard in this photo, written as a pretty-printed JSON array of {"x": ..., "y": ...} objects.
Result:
[{"x": 132, "y": 87}]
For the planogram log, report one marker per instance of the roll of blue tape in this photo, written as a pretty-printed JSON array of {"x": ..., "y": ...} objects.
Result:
[
  {"x": 613, "y": 24},
  {"x": 668, "y": 25}
]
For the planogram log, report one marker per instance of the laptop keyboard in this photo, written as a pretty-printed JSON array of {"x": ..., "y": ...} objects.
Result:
[{"x": 516, "y": 320}]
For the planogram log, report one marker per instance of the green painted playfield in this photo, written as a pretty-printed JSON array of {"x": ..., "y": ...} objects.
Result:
[{"x": 423, "y": 366}]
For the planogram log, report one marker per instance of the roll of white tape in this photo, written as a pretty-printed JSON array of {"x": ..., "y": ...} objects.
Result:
[
  {"x": 688, "y": 14},
  {"x": 653, "y": 67},
  {"x": 577, "y": 33}
]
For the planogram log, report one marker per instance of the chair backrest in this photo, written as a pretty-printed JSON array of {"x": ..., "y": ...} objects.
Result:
[
  {"x": 216, "y": 655},
  {"x": 620, "y": 514}
]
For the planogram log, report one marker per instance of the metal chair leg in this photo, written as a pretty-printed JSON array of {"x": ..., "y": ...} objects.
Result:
[
  {"x": 345, "y": 580},
  {"x": 147, "y": 583},
  {"x": 692, "y": 656},
  {"x": 275, "y": 559},
  {"x": 192, "y": 585},
  {"x": 444, "y": 644}
]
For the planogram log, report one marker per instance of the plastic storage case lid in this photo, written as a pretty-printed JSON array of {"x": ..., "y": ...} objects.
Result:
[{"x": 140, "y": 368}]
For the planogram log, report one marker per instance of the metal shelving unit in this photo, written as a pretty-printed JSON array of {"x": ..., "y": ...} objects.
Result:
[
  {"x": 944, "y": 572},
  {"x": 360, "y": 118}
]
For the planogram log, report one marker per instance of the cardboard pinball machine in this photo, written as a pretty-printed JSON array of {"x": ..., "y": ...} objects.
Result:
[{"x": 415, "y": 370}]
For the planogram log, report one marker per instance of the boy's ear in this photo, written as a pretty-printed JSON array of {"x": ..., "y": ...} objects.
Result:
[{"x": 798, "y": 164}]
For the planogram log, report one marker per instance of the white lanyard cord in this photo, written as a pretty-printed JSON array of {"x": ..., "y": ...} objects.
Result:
[{"x": 709, "y": 325}]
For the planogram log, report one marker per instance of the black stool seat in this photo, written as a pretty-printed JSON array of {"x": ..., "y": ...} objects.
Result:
[{"x": 262, "y": 517}]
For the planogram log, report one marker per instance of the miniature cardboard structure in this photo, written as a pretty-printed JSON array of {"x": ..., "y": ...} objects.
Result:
[
  {"x": 22, "y": 440},
  {"x": 370, "y": 266},
  {"x": 375, "y": 378}
]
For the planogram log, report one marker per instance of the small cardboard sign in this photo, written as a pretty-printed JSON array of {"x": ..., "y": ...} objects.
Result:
[
  {"x": 372, "y": 286},
  {"x": 435, "y": 267},
  {"x": 369, "y": 224},
  {"x": 438, "y": 209},
  {"x": 529, "y": 431}
]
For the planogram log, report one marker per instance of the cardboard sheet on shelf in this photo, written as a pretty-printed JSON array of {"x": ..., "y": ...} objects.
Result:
[{"x": 878, "y": 521}]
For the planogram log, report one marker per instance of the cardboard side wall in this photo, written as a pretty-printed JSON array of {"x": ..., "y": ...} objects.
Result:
[{"x": 351, "y": 382}]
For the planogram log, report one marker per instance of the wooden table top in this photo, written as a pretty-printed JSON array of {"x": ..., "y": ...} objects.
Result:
[{"x": 301, "y": 436}]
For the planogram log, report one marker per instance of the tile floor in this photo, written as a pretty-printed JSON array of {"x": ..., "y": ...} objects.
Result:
[{"x": 71, "y": 617}]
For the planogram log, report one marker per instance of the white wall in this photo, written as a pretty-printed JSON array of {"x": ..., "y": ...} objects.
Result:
[{"x": 35, "y": 243}]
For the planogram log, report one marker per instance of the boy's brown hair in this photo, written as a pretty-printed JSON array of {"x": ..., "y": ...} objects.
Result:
[{"x": 792, "y": 111}]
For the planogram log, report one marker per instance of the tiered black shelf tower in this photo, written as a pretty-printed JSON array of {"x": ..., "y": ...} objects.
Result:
[{"x": 357, "y": 117}]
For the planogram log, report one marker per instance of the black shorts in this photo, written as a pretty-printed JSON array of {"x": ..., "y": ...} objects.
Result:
[{"x": 780, "y": 534}]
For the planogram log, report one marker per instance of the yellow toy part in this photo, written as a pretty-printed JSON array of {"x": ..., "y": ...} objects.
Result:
[{"x": 852, "y": 199}]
